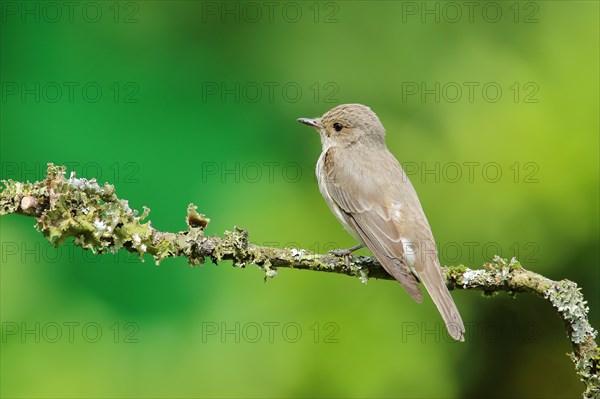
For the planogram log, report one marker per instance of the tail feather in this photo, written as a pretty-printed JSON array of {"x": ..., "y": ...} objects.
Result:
[{"x": 436, "y": 287}]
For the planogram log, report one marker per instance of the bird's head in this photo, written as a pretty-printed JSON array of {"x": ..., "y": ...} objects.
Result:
[{"x": 348, "y": 124}]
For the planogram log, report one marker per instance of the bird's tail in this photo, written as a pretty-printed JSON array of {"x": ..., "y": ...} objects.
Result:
[{"x": 434, "y": 282}]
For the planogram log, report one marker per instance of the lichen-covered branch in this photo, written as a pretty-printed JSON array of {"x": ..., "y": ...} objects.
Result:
[{"x": 98, "y": 220}]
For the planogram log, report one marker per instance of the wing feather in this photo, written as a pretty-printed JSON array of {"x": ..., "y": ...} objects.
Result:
[{"x": 374, "y": 224}]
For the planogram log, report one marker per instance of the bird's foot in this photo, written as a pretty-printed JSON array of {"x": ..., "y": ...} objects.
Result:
[{"x": 346, "y": 253}]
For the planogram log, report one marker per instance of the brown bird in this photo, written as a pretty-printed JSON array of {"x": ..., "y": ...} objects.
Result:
[{"x": 368, "y": 191}]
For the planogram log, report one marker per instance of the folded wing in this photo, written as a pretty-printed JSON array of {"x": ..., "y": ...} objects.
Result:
[{"x": 389, "y": 220}]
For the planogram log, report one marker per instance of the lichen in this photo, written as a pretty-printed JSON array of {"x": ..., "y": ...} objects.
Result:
[
  {"x": 363, "y": 275},
  {"x": 455, "y": 271},
  {"x": 567, "y": 299},
  {"x": 469, "y": 276},
  {"x": 270, "y": 271},
  {"x": 589, "y": 373},
  {"x": 233, "y": 246},
  {"x": 195, "y": 219},
  {"x": 81, "y": 209}
]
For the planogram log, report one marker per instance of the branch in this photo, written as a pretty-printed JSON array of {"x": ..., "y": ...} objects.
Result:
[{"x": 99, "y": 221}]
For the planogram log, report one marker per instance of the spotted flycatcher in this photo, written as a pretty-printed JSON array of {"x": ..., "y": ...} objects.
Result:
[{"x": 368, "y": 191}]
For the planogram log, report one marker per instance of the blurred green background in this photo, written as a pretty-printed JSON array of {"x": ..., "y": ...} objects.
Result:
[{"x": 493, "y": 111}]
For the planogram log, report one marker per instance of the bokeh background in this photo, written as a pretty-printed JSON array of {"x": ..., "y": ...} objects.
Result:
[{"x": 493, "y": 111}]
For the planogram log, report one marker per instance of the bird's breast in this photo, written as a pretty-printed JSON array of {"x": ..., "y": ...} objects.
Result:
[{"x": 322, "y": 179}]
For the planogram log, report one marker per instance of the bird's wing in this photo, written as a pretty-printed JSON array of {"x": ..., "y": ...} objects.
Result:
[{"x": 365, "y": 208}]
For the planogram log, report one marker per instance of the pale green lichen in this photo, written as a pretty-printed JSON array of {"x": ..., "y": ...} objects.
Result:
[
  {"x": 81, "y": 209},
  {"x": 195, "y": 219},
  {"x": 269, "y": 270},
  {"x": 589, "y": 371},
  {"x": 363, "y": 275},
  {"x": 567, "y": 299},
  {"x": 469, "y": 277},
  {"x": 233, "y": 246}
]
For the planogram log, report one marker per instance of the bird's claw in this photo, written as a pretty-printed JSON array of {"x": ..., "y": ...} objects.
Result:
[
  {"x": 345, "y": 253},
  {"x": 340, "y": 252}
]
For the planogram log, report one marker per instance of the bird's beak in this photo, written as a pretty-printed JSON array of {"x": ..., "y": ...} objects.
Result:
[{"x": 310, "y": 122}]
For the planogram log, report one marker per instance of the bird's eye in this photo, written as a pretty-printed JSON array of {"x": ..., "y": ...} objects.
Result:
[{"x": 337, "y": 127}]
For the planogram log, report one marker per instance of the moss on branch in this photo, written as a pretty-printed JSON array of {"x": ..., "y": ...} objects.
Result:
[{"x": 99, "y": 221}]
